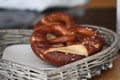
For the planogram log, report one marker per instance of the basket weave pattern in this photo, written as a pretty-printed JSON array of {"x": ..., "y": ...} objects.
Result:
[{"x": 79, "y": 70}]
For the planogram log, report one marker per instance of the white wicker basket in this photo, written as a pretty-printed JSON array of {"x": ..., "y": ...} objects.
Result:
[{"x": 79, "y": 70}]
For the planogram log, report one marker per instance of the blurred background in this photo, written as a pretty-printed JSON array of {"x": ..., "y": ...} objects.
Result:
[{"x": 19, "y": 14}]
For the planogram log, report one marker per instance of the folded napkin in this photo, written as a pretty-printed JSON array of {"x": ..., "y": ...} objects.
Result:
[{"x": 23, "y": 54}]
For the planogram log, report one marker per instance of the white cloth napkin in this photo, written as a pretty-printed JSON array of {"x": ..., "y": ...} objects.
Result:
[
  {"x": 39, "y": 5},
  {"x": 23, "y": 54}
]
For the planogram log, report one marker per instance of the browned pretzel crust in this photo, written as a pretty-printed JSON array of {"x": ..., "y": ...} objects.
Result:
[
  {"x": 57, "y": 40},
  {"x": 57, "y": 17}
]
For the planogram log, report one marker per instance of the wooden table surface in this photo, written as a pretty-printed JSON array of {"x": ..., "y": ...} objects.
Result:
[{"x": 110, "y": 74}]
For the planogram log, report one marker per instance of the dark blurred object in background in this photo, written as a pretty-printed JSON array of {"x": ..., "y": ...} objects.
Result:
[
  {"x": 26, "y": 19},
  {"x": 102, "y": 13},
  {"x": 16, "y": 18}
]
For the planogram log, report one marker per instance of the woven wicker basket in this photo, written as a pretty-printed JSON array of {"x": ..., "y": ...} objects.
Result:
[{"x": 79, "y": 70}]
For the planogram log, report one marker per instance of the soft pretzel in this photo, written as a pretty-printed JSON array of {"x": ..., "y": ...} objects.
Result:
[{"x": 65, "y": 44}]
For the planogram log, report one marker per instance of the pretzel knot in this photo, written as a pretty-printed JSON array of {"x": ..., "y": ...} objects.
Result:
[
  {"x": 57, "y": 17},
  {"x": 57, "y": 42}
]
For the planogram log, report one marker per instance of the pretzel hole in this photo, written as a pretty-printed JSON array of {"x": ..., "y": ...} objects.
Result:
[{"x": 52, "y": 36}]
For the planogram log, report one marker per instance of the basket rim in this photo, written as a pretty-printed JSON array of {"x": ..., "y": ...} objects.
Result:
[{"x": 116, "y": 37}]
